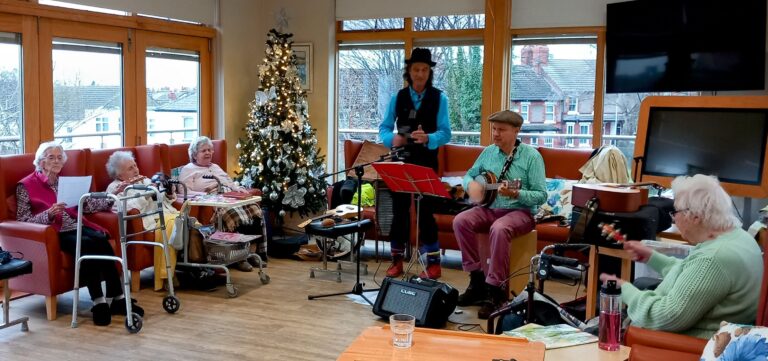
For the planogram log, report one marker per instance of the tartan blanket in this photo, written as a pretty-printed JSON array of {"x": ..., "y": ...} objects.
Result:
[{"x": 231, "y": 218}]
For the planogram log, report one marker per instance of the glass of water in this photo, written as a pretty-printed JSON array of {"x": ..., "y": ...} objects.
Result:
[{"x": 402, "y": 326}]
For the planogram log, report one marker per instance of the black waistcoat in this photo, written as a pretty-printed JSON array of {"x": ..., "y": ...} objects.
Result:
[{"x": 407, "y": 121}]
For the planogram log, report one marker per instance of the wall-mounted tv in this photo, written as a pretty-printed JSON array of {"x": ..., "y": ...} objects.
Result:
[
  {"x": 685, "y": 45},
  {"x": 721, "y": 136}
]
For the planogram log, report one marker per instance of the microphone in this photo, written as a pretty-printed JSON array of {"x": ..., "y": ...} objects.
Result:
[{"x": 211, "y": 176}]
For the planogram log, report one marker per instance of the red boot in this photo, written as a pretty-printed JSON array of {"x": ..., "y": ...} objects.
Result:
[
  {"x": 433, "y": 272},
  {"x": 396, "y": 269}
]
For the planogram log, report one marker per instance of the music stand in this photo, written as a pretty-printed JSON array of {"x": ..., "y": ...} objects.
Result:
[{"x": 414, "y": 179}]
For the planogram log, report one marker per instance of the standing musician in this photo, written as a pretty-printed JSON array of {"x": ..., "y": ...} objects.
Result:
[
  {"x": 507, "y": 217},
  {"x": 419, "y": 114}
]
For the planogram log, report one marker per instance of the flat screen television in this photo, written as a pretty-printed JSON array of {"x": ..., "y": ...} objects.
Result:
[
  {"x": 685, "y": 45},
  {"x": 721, "y": 136}
]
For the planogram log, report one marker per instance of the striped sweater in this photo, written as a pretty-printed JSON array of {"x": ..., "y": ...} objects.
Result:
[{"x": 718, "y": 281}]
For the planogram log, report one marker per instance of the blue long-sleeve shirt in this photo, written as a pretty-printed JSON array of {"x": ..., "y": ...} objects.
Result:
[{"x": 440, "y": 137}]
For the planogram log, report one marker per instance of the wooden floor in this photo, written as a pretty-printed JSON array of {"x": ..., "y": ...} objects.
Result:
[{"x": 265, "y": 322}]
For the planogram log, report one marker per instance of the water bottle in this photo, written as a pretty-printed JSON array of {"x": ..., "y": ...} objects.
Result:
[{"x": 610, "y": 317}]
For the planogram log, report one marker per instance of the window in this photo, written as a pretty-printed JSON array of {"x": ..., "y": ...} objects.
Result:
[
  {"x": 373, "y": 24},
  {"x": 475, "y": 21},
  {"x": 584, "y": 129},
  {"x": 65, "y": 4},
  {"x": 11, "y": 92},
  {"x": 535, "y": 140},
  {"x": 87, "y": 85},
  {"x": 102, "y": 125},
  {"x": 549, "y": 113},
  {"x": 569, "y": 130},
  {"x": 459, "y": 74},
  {"x": 550, "y": 72},
  {"x": 572, "y": 105},
  {"x": 368, "y": 76},
  {"x": 173, "y": 96},
  {"x": 524, "y": 110}
]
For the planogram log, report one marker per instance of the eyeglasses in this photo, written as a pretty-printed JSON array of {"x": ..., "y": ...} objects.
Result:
[{"x": 676, "y": 211}]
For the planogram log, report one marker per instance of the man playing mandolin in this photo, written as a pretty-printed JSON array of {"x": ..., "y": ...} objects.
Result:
[{"x": 504, "y": 215}]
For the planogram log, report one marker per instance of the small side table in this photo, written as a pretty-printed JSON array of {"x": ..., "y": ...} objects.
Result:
[
  {"x": 16, "y": 267},
  {"x": 341, "y": 230},
  {"x": 594, "y": 276}
]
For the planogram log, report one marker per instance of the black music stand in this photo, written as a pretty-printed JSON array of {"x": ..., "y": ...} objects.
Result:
[
  {"x": 360, "y": 226},
  {"x": 414, "y": 179}
]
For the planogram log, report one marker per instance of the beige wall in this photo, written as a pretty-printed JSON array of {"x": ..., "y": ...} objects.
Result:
[{"x": 243, "y": 28}]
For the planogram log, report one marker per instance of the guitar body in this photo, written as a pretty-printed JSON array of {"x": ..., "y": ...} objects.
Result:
[
  {"x": 490, "y": 193},
  {"x": 611, "y": 198},
  {"x": 344, "y": 211}
]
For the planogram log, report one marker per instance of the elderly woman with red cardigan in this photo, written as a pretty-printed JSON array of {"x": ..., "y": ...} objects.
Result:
[{"x": 36, "y": 196}]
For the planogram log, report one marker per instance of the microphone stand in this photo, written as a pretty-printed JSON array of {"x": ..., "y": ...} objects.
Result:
[{"x": 358, "y": 288}]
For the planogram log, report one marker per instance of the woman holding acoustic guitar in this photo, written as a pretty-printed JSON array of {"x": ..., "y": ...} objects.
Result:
[{"x": 520, "y": 169}]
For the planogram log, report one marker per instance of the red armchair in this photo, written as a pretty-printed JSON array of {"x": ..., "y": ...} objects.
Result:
[
  {"x": 149, "y": 162},
  {"x": 657, "y": 345},
  {"x": 53, "y": 271}
]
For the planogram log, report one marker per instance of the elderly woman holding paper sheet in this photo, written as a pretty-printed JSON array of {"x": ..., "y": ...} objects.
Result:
[
  {"x": 36, "y": 203},
  {"x": 121, "y": 167}
]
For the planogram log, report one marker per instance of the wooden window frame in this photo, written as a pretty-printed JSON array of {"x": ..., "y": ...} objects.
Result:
[{"x": 39, "y": 24}]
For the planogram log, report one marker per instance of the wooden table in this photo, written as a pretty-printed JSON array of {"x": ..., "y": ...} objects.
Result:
[
  {"x": 375, "y": 343},
  {"x": 594, "y": 276}
]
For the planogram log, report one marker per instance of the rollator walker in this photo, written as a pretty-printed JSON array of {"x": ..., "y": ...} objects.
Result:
[{"x": 171, "y": 303}]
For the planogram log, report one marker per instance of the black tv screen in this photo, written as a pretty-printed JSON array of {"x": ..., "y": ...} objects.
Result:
[
  {"x": 727, "y": 143},
  {"x": 685, "y": 45}
]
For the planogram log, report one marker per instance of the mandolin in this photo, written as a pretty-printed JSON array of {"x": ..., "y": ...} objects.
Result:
[
  {"x": 345, "y": 211},
  {"x": 491, "y": 186}
]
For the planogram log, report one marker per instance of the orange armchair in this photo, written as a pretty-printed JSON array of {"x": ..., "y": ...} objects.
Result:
[
  {"x": 53, "y": 271},
  {"x": 657, "y": 345}
]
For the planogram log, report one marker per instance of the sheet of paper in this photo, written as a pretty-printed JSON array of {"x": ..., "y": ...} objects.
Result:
[{"x": 72, "y": 188}]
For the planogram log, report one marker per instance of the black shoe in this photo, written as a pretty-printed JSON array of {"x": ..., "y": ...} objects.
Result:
[
  {"x": 118, "y": 307},
  {"x": 495, "y": 298},
  {"x": 101, "y": 314},
  {"x": 476, "y": 292}
]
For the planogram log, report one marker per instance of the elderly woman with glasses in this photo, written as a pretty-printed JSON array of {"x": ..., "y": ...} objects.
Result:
[
  {"x": 36, "y": 196},
  {"x": 244, "y": 219},
  {"x": 122, "y": 168},
  {"x": 718, "y": 281}
]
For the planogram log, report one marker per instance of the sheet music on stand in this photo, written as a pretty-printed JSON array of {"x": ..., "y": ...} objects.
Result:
[
  {"x": 415, "y": 179},
  {"x": 411, "y": 178}
]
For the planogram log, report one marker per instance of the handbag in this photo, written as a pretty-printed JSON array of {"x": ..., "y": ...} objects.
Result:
[{"x": 177, "y": 236}]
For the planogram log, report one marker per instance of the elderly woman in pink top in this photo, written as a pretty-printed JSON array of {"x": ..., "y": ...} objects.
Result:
[
  {"x": 36, "y": 203},
  {"x": 201, "y": 164}
]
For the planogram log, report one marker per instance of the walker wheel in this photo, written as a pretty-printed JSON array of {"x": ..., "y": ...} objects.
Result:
[
  {"x": 137, "y": 323},
  {"x": 231, "y": 290},
  {"x": 171, "y": 304},
  {"x": 264, "y": 278}
]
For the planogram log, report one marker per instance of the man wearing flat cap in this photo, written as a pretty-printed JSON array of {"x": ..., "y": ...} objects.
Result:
[
  {"x": 507, "y": 217},
  {"x": 416, "y": 120}
]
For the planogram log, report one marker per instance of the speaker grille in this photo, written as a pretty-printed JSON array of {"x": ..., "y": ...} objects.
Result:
[{"x": 404, "y": 299}]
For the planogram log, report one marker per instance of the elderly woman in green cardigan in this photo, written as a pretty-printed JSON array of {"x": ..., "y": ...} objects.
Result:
[{"x": 718, "y": 281}]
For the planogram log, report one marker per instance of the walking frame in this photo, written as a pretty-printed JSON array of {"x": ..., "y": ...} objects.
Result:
[{"x": 171, "y": 303}]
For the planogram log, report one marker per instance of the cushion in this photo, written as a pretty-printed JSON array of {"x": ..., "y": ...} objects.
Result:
[
  {"x": 737, "y": 342},
  {"x": 369, "y": 152},
  {"x": 558, "y": 203}
]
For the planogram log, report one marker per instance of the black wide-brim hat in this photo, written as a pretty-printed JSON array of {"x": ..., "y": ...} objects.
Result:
[{"x": 421, "y": 55}]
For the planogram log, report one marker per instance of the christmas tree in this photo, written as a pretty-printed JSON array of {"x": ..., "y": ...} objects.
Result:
[{"x": 280, "y": 155}]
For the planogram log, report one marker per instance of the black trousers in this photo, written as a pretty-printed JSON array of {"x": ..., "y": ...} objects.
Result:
[
  {"x": 92, "y": 272},
  {"x": 401, "y": 223}
]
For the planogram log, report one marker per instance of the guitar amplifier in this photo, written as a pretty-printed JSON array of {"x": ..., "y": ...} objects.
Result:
[{"x": 430, "y": 302}]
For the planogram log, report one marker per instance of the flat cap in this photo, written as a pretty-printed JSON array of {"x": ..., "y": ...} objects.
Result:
[{"x": 506, "y": 116}]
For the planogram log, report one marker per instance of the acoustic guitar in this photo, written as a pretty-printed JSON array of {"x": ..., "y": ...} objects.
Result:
[
  {"x": 345, "y": 211},
  {"x": 491, "y": 186},
  {"x": 611, "y": 197}
]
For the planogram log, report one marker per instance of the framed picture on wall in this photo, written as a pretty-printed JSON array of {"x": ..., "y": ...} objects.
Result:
[{"x": 303, "y": 52}]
